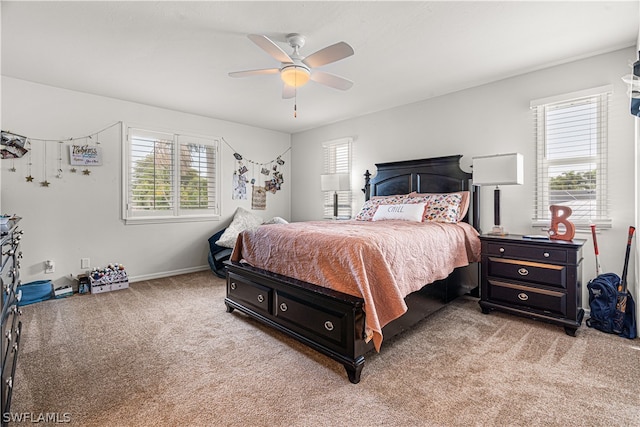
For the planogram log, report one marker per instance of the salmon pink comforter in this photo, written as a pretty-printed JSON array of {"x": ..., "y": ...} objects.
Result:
[{"x": 381, "y": 262}]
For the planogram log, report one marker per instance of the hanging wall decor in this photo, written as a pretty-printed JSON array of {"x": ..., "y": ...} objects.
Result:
[
  {"x": 85, "y": 155},
  {"x": 268, "y": 169},
  {"x": 44, "y": 183},
  {"x": 83, "y": 151},
  {"x": 258, "y": 198},
  {"x": 12, "y": 146}
]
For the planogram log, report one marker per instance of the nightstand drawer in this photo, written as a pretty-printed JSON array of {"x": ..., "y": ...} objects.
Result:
[
  {"x": 540, "y": 299},
  {"x": 527, "y": 252},
  {"x": 257, "y": 296},
  {"x": 545, "y": 274}
]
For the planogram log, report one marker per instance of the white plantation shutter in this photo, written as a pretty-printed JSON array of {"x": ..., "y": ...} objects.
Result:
[
  {"x": 151, "y": 186},
  {"x": 197, "y": 174},
  {"x": 170, "y": 176},
  {"x": 337, "y": 159},
  {"x": 571, "y": 162}
]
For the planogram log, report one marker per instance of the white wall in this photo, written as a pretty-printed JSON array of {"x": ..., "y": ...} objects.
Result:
[
  {"x": 79, "y": 216},
  {"x": 494, "y": 118}
]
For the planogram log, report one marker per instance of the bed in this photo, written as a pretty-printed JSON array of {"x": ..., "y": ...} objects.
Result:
[{"x": 330, "y": 295}]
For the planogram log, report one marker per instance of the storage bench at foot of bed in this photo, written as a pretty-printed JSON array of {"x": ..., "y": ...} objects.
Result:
[
  {"x": 327, "y": 321},
  {"x": 330, "y": 322}
]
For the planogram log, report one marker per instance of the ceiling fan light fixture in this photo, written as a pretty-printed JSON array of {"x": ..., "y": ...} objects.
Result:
[{"x": 295, "y": 75}]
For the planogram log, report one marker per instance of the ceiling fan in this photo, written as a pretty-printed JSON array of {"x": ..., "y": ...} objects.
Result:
[{"x": 296, "y": 70}]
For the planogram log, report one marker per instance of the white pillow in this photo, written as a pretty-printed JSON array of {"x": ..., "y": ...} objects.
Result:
[
  {"x": 276, "y": 220},
  {"x": 242, "y": 220},
  {"x": 406, "y": 212}
]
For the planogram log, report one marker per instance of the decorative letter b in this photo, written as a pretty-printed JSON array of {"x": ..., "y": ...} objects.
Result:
[{"x": 559, "y": 215}]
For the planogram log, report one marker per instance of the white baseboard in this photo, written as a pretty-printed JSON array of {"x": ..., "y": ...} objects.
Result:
[{"x": 163, "y": 274}]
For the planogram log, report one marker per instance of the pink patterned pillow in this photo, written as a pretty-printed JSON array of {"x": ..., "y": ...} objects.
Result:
[
  {"x": 370, "y": 206},
  {"x": 441, "y": 207}
]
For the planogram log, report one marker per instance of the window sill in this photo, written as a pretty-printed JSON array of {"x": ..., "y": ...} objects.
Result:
[
  {"x": 580, "y": 227},
  {"x": 170, "y": 219}
]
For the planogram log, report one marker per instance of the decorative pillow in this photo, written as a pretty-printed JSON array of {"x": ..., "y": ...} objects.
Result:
[
  {"x": 370, "y": 206},
  {"x": 406, "y": 212},
  {"x": 464, "y": 204},
  {"x": 242, "y": 220},
  {"x": 276, "y": 220},
  {"x": 441, "y": 207}
]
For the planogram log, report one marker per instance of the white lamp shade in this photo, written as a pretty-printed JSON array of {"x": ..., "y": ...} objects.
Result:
[
  {"x": 335, "y": 182},
  {"x": 498, "y": 169}
]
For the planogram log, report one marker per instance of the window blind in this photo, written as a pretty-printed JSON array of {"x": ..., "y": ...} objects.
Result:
[
  {"x": 197, "y": 174},
  {"x": 571, "y": 135},
  {"x": 171, "y": 175},
  {"x": 337, "y": 159},
  {"x": 151, "y": 183}
]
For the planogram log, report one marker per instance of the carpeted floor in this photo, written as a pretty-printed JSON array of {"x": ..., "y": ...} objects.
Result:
[{"x": 166, "y": 353}]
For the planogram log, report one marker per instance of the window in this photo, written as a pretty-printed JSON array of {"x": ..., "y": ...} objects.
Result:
[
  {"x": 337, "y": 159},
  {"x": 170, "y": 177},
  {"x": 571, "y": 162}
]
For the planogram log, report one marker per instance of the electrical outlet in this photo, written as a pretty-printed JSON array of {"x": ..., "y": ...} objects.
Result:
[
  {"x": 85, "y": 263},
  {"x": 49, "y": 266}
]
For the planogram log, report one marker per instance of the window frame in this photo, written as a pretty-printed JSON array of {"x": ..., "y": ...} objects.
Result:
[
  {"x": 601, "y": 97},
  {"x": 176, "y": 213},
  {"x": 332, "y": 165}
]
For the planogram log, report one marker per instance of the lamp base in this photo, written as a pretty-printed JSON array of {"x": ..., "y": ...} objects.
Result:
[{"x": 498, "y": 230}]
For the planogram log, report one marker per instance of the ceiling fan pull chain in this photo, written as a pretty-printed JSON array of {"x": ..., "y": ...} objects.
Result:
[{"x": 295, "y": 102}]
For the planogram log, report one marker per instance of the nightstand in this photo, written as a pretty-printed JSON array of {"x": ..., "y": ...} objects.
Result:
[{"x": 539, "y": 279}]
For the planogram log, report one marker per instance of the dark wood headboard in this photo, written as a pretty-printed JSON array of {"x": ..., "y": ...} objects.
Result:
[{"x": 434, "y": 175}]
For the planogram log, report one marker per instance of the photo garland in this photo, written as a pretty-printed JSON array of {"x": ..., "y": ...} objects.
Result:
[
  {"x": 82, "y": 151},
  {"x": 272, "y": 176}
]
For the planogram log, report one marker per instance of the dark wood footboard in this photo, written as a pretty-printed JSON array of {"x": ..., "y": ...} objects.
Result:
[{"x": 330, "y": 322}]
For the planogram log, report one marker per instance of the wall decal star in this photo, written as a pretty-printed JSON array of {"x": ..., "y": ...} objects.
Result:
[
  {"x": 29, "y": 178},
  {"x": 44, "y": 183},
  {"x": 86, "y": 172},
  {"x": 73, "y": 170}
]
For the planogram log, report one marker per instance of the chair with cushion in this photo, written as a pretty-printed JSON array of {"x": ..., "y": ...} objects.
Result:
[{"x": 218, "y": 255}]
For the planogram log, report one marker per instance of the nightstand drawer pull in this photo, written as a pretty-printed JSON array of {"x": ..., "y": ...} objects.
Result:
[
  {"x": 523, "y": 271},
  {"x": 546, "y": 255},
  {"x": 260, "y": 298},
  {"x": 501, "y": 250},
  {"x": 283, "y": 307},
  {"x": 328, "y": 325},
  {"x": 233, "y": 286},
  {"x": 523, "y": 297}
]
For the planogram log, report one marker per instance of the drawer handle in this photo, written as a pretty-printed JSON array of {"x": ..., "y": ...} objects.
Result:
[
  {"x": 9, "y": 382},
  {"x": 501, "y": 250},
  {"x": 283, "y": 307},
  {"x": 260, "y": 298},
  {"x": 546, "y": 255},
  {"x": 328, "y": 325},
  {"x": 522, "y": 296},
  {"x": 523, "y": 271},
  {"x": 233, "y": 286}
]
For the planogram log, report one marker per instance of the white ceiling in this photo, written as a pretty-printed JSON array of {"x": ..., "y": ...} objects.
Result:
[{"x": 177, "y": 55}]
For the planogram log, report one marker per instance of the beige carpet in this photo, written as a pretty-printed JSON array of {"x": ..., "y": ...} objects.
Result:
[{"x": 166, "y": 353}]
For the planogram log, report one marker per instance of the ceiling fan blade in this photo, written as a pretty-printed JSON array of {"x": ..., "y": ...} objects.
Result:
[
  {"x": 329, "y": 54},
  {"x": 249, "y": 73},
  {"x": 288, "y": 92},
  {"x": 331, "y": 80},
  {"x": 270, "y": 47}
]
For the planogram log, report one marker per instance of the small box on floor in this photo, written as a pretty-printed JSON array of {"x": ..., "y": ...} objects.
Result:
[
  {"x": 111, "y": 278},
  {"x": 63, "y": 291}
]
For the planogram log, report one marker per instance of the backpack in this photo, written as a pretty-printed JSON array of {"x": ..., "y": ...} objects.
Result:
[{"x": 603, "y": 297}]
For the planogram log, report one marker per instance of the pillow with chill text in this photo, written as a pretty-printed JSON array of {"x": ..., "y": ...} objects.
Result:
[
  {"x": 406, "y": 212},
  {"x": 370, "y": 206}
]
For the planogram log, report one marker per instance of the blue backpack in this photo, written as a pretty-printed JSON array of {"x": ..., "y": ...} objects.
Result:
[{"x": 603, "y": 297}]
